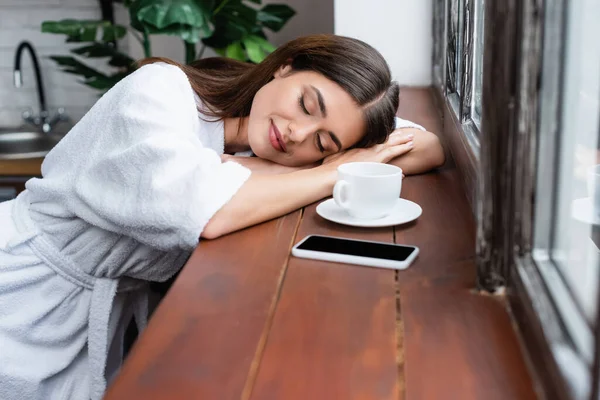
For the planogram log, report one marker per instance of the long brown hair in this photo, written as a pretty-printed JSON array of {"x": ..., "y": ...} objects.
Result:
[{"x": 227, "y": 87}]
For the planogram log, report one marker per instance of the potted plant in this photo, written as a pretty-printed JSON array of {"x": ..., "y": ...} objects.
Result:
[{"x": 233, "y": 28}]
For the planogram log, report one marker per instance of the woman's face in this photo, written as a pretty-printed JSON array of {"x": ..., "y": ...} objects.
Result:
[{"x": 301, "y": 117}]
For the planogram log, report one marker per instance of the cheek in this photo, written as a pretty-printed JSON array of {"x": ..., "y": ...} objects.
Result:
[
  {"x": 256, "y": 121},
  {"x": 305, "y": 157}
]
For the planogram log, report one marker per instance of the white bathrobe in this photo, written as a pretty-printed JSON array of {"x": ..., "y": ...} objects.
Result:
[{"x": 124, "y": 198}]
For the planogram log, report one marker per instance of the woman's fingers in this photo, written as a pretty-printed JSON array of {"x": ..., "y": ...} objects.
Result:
[
  {"x": 396, "y": 145},
  {"x": 392, "y": 151},
  {"x": 399, "y": 138}
]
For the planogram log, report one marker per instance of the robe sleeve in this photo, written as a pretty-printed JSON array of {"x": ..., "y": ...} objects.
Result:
[
  {"x": 404, "y": 123},
  {"x": 145, "y": 173}
]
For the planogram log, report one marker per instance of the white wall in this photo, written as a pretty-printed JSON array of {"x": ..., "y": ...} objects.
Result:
[
  {"x": 399, "y": 29},
  {"x": 21, "y": 20}
]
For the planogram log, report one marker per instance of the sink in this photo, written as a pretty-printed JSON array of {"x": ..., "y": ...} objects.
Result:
[{"x": 17, "y": 144}]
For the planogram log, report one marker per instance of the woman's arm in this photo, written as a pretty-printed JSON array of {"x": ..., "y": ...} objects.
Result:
[
  {"x": 427, "y": 152},
  {"x": 426, "y": 155},
  {"x": 264, "y": 197},
  {"x": 261, "y": 166}
]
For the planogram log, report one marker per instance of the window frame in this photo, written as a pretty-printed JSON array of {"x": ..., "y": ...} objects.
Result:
[{"x": 460, "y": 130}]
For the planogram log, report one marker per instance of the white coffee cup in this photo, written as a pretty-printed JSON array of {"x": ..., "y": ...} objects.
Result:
[
  {"x": 367, "y": 190},
  {"x": 593, "y": 184}
]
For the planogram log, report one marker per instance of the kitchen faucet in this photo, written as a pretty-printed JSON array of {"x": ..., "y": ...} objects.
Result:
[{"x": 43, "y": 119}]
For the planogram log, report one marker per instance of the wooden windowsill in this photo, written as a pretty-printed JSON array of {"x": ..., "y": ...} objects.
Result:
[{"x": 244, "y": 320}]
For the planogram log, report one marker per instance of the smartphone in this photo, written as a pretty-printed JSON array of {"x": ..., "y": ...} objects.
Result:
[{"x": 352, "y": 251}]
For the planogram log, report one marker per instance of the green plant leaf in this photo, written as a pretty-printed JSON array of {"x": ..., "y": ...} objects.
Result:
[
  {"x": 240, "y": 15},
  {"x": 189, "y": 35},
  {"x": 188, "y": 19},
  {"x": 257, "y": 48},
  {"x": 255, "y": 54},
  {"x": 73, "y": 66},
  {"x": 95, "y": 50},
  {"x": 223, "y": 36},
  {"x": 235, "y": 51},
  {"x": 84, "y": 30},
  {"x": 116, "y": 32},
  {"x": 233, "y": 20},
  {"x": 121, "y": 60},
  {"x": 275, "y": 16},
  {"x": 92, "y": 77},
  {"x": 105, "y": 83},
  {"x": 71, "y": 27},
  {"x": 100, "y": 50},
  {"x": 264, "y": 43}
]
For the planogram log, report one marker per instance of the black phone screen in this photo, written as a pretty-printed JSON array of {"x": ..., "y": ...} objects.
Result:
[{"x": 359, "y": 248}]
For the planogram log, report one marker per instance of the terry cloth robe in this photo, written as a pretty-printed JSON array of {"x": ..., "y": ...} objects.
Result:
[{"x": 123, "y": 200}]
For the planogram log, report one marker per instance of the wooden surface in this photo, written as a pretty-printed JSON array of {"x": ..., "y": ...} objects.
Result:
[
  {"x": 202, "y": 339},
  {"x": 244, "y": 320},
  {"x": 334, "y": 331},
  {"x": 25, "y": 167}
]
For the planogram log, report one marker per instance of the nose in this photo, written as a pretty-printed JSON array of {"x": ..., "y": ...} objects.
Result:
[{"x": 300, "y": 130}]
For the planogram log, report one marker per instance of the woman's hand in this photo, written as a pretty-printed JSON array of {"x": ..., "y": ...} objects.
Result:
[
  {"x": 397, "y": 145},
  {"x": 261, "y": 166},
  {"x": 427, "y": 152}
]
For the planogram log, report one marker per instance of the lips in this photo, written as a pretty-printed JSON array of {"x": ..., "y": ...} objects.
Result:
[{"x": 275, "y": 138}]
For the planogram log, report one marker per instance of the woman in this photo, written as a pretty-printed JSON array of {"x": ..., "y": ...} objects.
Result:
[{"x": 127, "y": 194}]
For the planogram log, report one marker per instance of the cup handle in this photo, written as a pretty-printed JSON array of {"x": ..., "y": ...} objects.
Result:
[{"x": 340, "y": 194}]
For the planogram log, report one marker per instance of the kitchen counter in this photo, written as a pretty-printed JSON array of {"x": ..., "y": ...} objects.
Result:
[{"x": 22, "y": 167}]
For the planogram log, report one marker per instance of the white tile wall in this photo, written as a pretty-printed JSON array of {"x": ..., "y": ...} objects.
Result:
[{"x": 21, "y": 20}]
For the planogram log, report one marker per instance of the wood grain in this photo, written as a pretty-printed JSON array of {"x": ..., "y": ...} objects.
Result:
[
  {"x": 446, "y": 229},
  {"x": 333, "y": 334},
  {"x": 201, "y": 340},
  {"x": 460, "y": 344},
  {"x": 417, "y": 106}
]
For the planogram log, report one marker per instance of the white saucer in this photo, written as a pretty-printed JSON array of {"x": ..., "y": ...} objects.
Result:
[
  {"x": 583, "y": 210},
  {"x": 404, "y": 211}
]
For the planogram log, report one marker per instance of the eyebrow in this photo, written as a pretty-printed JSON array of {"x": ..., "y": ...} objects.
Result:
[
  {"x": 324, "y": 112},
  {"x": 320, "y": 100}
]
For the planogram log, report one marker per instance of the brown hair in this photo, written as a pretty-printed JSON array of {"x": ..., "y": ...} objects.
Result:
[{"x": 228, "y": 87}]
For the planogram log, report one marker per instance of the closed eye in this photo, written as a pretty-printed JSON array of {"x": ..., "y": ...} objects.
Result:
[
  {"x": 302, "y": 105},
  {"x": 320, "y": 144}
]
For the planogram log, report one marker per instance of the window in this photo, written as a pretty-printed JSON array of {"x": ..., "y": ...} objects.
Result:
[
  {"x": 566, "y": 230},
  {"x": 458, "y": 53},
  {"x": 477, "y": 63},
  {"x": 574, "y": 250},
  {"x": 539, "y": 232},
  {"x": 453, "y": 63},
  {"x": 458, "y": 61}
]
